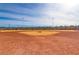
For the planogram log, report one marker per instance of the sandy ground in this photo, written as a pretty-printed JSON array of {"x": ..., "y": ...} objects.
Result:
[{"x": 63, "y": 43}]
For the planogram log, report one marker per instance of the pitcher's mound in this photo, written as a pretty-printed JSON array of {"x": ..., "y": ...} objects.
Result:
[{"x": 34, "y": 33}]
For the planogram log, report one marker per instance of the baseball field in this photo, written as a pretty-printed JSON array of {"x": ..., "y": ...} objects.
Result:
[{"x": 39, "y": 42}]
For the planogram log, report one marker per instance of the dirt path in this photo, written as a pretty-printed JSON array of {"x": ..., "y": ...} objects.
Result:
[{"x": 17, "y": 43}]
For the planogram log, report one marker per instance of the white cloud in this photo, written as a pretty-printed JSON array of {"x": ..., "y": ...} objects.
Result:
[{"x": 62, "y": 16}]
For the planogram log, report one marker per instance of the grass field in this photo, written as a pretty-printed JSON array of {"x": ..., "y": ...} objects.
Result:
[{"x": 39, "y": 42}]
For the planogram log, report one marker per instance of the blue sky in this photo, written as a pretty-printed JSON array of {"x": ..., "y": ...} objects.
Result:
[{"x": 38, "y": 14}]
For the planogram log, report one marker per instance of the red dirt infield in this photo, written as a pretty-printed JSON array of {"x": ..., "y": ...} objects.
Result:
[{"x": 63, "y": 43}]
